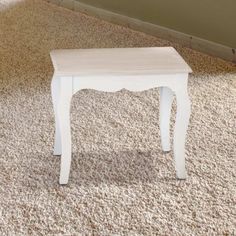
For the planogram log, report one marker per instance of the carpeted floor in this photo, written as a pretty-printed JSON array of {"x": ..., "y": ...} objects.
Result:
[{"x": 121, "y": 183}]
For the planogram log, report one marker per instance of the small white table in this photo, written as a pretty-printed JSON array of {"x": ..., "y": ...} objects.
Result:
[{"x": 110, "y": 70}]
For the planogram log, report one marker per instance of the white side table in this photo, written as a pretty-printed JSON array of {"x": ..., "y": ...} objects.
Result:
[{"x": 135, "y": 69}]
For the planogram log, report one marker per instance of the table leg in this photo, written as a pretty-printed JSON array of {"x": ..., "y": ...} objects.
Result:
[
  {"x": 63, "y": 112},
  {"x": 166, "y": 99},
  {"x": 55, "y": 89},
  {"x": 181, "y": 125}
]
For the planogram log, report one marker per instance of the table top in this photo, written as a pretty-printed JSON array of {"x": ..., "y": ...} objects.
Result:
[{"x": 118, "y": 61}]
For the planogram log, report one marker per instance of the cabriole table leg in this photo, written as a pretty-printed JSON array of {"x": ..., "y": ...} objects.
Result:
[
  {"x": 180, "y": 130},
  {"x": 166, "y": 99},
  {"x": 63, "y": 111}
]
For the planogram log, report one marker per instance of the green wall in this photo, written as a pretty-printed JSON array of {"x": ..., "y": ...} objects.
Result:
[{"x": 214, "y": 20}]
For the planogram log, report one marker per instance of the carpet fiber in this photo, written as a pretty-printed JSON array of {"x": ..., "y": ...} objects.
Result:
[{"x": 121, "y": 183}]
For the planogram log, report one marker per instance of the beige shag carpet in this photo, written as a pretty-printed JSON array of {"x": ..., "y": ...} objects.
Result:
[{"x": 121, "y": 183}]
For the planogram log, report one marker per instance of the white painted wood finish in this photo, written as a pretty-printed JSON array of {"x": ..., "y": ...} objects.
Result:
[
  {"x": 166, "y": 99},
  {"x": 135, "y": 69}
]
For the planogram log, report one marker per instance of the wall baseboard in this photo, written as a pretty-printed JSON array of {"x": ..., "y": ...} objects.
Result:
[{"x": 196, "y": 43}]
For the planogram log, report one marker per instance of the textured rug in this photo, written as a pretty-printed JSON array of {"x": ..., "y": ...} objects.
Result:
[{"x": 121, "y": 183}]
